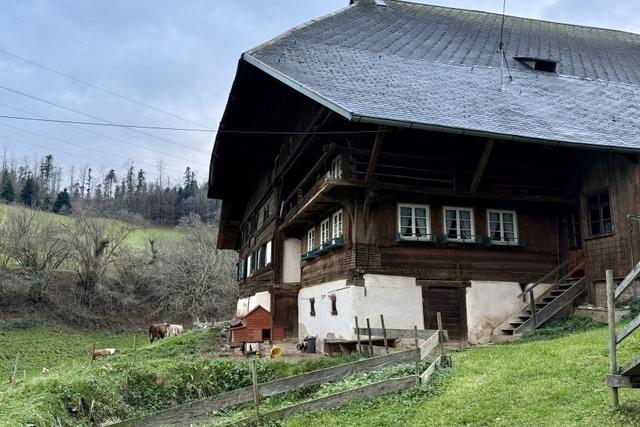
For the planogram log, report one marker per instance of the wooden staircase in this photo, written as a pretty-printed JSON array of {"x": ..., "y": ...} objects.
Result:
[{"x": 537, "y": 310}]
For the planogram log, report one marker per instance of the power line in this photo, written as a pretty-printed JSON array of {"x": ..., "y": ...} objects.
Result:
[
  {"x": 109, "y": 137},
  {"x": 249, "y": 132},
  {"x": 100, "y": 88},
  {"x": 77, "y": 145},
  {"x": 92, "y": 116}
]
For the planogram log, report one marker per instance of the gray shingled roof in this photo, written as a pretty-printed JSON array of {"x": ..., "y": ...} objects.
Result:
[{"x": 433, "y": 67}]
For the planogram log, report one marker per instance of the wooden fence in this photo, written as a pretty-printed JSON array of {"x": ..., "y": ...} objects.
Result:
[{"x": 204, "y": 410}]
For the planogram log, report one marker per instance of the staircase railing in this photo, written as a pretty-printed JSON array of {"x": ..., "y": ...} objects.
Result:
[
  {"x": 560, "y": 267},
  {"x": 630, "y": 374}
]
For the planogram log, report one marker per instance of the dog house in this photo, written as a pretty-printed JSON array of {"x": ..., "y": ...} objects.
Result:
[{"x": 255, "y": 326}]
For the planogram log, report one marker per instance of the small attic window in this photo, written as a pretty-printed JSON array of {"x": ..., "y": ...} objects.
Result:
[{"x": 538, "y": 64}]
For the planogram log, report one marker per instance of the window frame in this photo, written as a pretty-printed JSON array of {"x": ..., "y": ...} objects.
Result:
[
  {"x": 501, "y": 212},
  {"x": 413, "y": 208},
  {"x": 311, "y": 239},
  {"x": 337, "y": 214},
  {"x": 327, "y": 222},
  {"x": 336, "y": 168},
  {"x": 268, "y": 252},
  {"x": 249, "y": 262},
  {"x": 334, "y": 304},
  {"x": 459, "y": 237},
  {"x": 599, "y": 206}
]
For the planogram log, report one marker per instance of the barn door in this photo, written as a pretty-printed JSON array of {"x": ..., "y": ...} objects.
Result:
[
  {"x": 285, "y": 314},
  {"x": 451, "y": 303}
]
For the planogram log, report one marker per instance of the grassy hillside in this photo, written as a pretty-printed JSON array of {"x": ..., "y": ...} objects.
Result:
[
  {"x": 538, "y": 382},
  {"x": 75, "y": 391},
  {"x": 138, "y": 238}
]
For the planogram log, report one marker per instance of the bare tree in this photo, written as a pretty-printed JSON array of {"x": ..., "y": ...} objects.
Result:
[
  {"x": 95, "y": 243},
  {"x": 35, "y": 242},
  {"x": 198, "y": 279}
]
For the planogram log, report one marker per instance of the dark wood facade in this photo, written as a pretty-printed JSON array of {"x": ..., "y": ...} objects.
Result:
[{"x": 283, "y": 187}]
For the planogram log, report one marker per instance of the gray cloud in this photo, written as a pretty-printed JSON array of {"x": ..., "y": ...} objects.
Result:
[{"x": 177, "y": 56}]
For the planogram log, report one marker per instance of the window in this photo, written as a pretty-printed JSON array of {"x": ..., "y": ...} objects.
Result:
[
  {"x": 311, "y": 239},
  {"x": 324, "y": 231},
  {"x": 600, "y": 213},
  {"x": 459, "y": 224},
  {"x": 337, "y": 224},
  {"x": 260, "y": 258},
  {"x": 312, "y": 306},
  {"x": 414, "y": 222},
  {"x": 241, "y": 269},
  {"x": 267, "y": 253},
  {"x": 336, "y": 168},
  {"x": 574, "y": 234},
  {"x": 334, "y": 309},
  {"x": 503, "y": 228},
  {"x": 249, "y": 265}
]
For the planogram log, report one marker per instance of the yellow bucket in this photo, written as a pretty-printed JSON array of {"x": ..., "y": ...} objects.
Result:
[{"x": 276, "y": 351}]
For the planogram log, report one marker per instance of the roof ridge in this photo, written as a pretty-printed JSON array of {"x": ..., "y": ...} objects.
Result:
[
  {"x": 296, "y": 28},
  {"x": 512, "y": 16}
]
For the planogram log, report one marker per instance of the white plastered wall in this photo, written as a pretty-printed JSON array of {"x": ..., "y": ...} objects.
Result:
[
  {"x": 489, "y": 304},
  {"x": 245, "y": 305},
  {"x": 292, "y": 250},
  {"x": 397, "y": 298}
]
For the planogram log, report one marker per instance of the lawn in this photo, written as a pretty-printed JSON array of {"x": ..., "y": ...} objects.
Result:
[
  {"x": 73, "y": 391},
  {"x": 537, "y": 382}
]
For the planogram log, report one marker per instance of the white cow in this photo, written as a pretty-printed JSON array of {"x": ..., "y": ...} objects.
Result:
[{"x": 174, "y": 330}]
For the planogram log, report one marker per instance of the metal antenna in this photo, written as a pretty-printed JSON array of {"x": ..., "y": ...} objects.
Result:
[{"x": 503, "y": 58}]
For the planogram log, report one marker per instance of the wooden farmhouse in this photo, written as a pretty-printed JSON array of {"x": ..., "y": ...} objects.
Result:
[{"x": 390, "y": 159}]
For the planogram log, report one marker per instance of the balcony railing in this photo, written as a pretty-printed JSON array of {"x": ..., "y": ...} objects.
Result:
[{"x": 325, "y": 247}]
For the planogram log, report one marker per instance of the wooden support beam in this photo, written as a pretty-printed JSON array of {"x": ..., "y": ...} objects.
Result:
[
  {"x": 375, "y": 153},
  {"x": 623, "y": 381},
  {"x": 482, "y": 163},
  {"x": 613, "y": 362}
]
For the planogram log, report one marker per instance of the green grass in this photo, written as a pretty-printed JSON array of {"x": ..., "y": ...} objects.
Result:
[
  {"x": 54, "y": 347},
  {"x": 138, "y": 239},
  {"x": 156, "y": 376},
  {"x": 536, "y": 382}
]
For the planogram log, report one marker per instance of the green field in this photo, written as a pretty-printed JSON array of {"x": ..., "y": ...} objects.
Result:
[
  {"x": 139, "y": 238},
  {"x": 538, "y": 382}
]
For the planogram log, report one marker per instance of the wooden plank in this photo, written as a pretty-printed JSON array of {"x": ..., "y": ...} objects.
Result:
[
  {"x": 423, "y": 334},
  {"x": 632, "y": 368},
  {"x": 428, "y": 373},
  {"x": 482, "y": 163},
  {"x": 628, "y": 280},
  {"x": 427, "y": 347},
  {"x": 628, "y": 330},
  {"x": 339, "y": 399},
  {"x": 375, "y": 153},
  {"x": 611, "y": 311},
  {"x": 187, "y": 413},
  {"x": 623, "y": 381}
]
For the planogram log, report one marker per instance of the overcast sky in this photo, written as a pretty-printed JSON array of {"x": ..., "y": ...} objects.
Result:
[{"x": 177, "y": 56}]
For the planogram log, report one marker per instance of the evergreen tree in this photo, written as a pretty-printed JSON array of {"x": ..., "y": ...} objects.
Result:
[
  {"x": 7, "y": 192},
  {"x": 62, "y": 203},
  {"x": 29, "y": 193}
]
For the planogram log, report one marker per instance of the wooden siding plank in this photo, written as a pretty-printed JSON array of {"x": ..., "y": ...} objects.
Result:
[
  {"x": 428, "y": 373},
  {"x": 427, "y": 347}
]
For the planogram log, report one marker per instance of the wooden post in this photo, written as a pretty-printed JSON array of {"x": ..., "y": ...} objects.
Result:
[
  {"x": 358, "y": 335},
  {"x": 369, "y": 333},
  {"x": 532, "y": 301},
  {"x": 93, "y": 350},
  {"x": 440, "y": 334},
  {"x": 384, "y": 335},
  {"x": 613, "y": 362},
  {"x": 417, "y": 357},
  {"x": 256, "y": 390},
  {"x": 135, "y": 344},
  {"x": 15, "y": 370}
]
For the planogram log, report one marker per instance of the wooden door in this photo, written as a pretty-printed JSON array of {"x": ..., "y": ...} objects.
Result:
[
  {"x": 285, "y": 314},
  {"x": 451, "y": 303}
]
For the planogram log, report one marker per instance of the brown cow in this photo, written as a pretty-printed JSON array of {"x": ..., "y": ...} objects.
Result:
[{"x": 157, "y": 331}]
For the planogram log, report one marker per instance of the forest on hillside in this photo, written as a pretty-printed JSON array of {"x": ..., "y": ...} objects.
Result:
[{"x": 44, "y": 185}]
